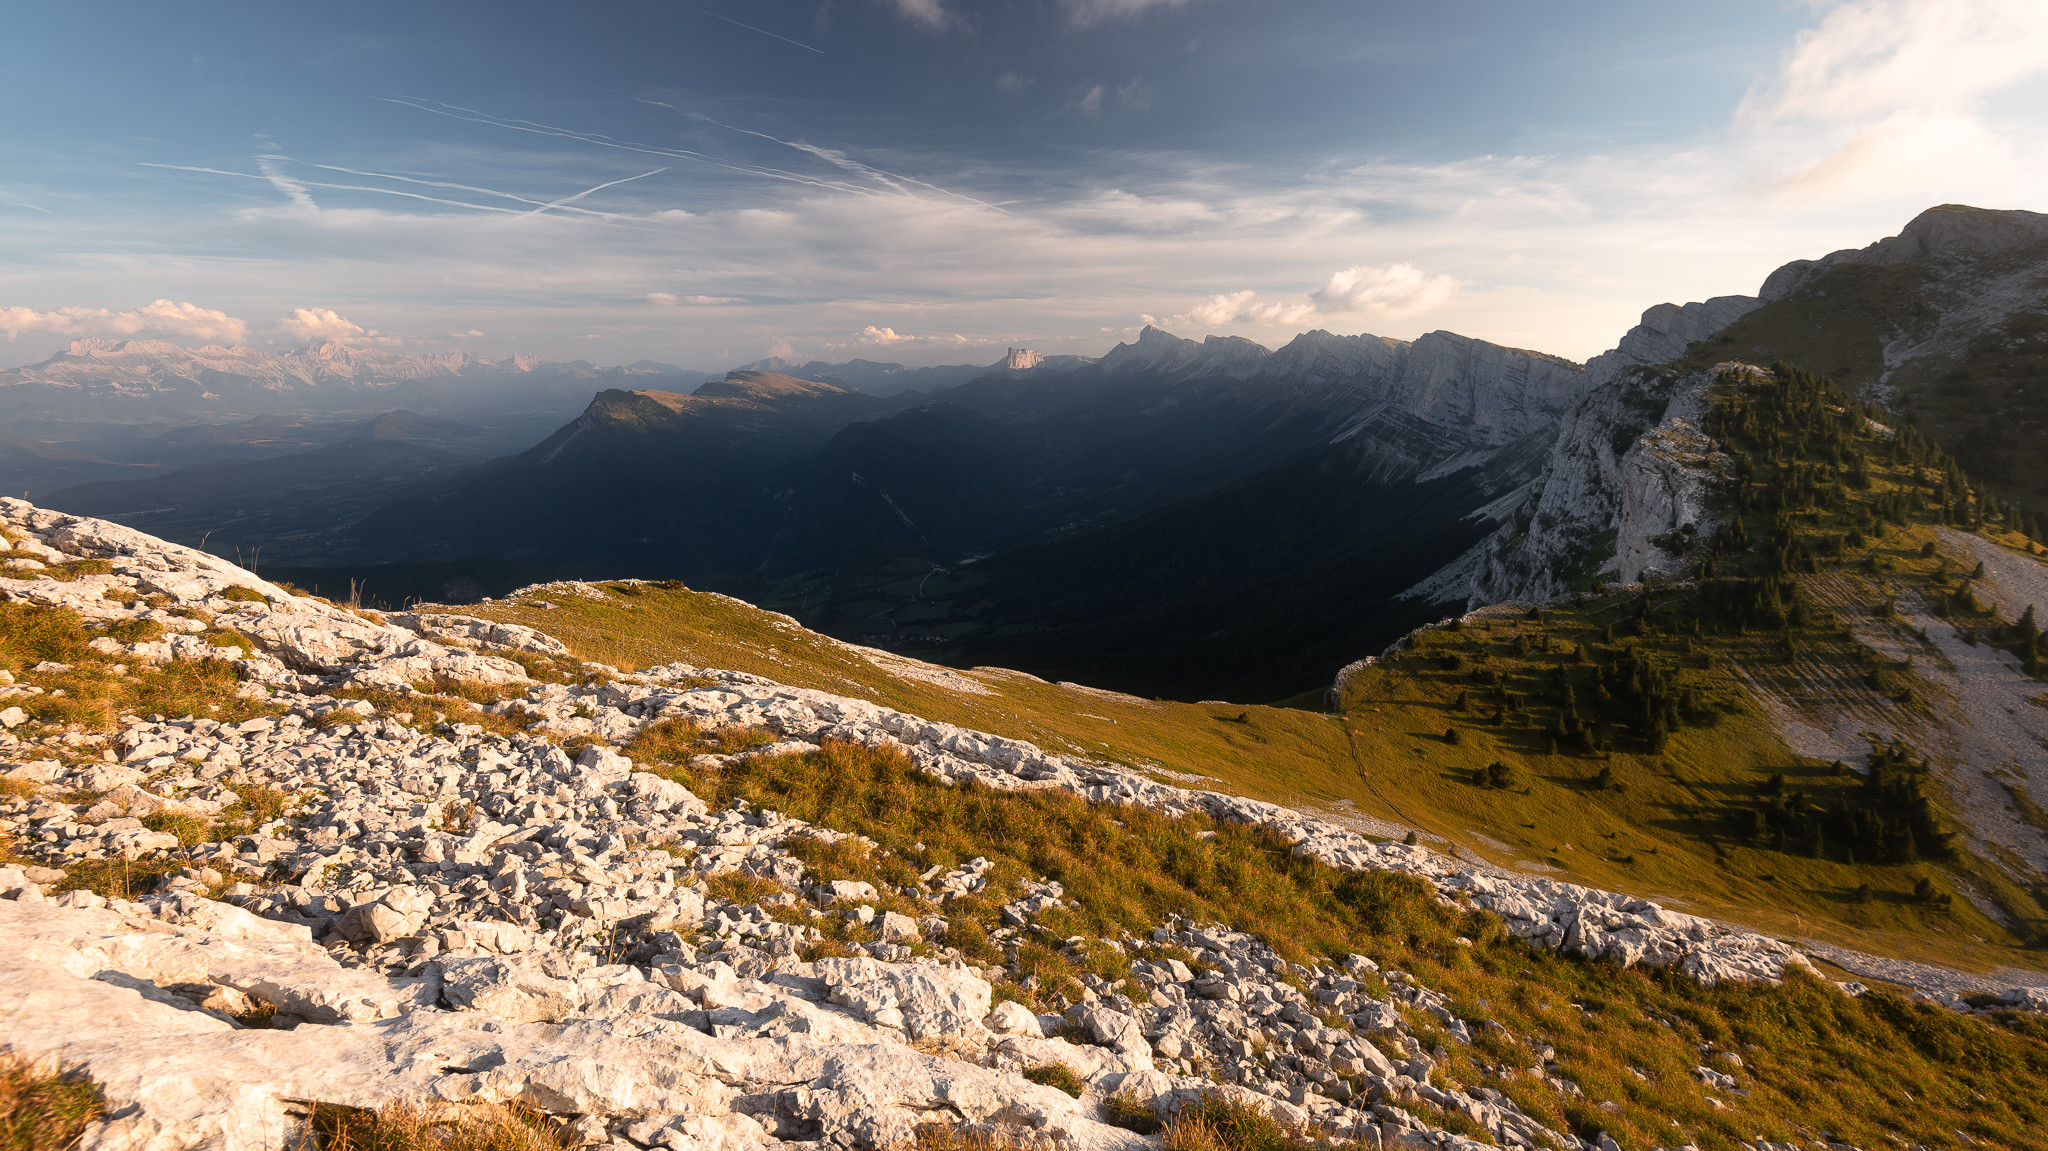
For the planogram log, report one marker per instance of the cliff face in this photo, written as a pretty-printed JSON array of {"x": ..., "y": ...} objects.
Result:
[
  {"x": 1431, "y": 407},
  {"x": 1627, "y": 467},
  {"x": 1630, "y": 466},
  {"x": 1948, "y": 299}
]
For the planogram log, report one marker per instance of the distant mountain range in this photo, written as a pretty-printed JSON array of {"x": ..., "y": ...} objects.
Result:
[
  {"x": 1176, "y": 517},
  {"x": 1077, "y": 517}
]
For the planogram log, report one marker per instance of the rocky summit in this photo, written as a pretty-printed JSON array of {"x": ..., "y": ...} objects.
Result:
[{"x": 433, "y": 909}]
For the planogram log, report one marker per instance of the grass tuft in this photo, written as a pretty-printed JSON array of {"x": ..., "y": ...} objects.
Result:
[
  {"x": 44, "y": 1107},
  {"x": 1057, "y": 1075},
  {"x": 430, "y": 1126}
]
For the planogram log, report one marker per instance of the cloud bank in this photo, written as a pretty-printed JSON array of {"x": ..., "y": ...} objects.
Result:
[{"x": 160, "y": 318}]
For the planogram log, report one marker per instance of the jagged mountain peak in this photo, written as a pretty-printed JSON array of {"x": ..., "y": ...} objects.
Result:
[
  {"x": 1157, "y": 350},
  {"x": 1665, "y": 331}
]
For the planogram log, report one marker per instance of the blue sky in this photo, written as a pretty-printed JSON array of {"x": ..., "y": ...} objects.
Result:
[{"x": 932, "y": 180}]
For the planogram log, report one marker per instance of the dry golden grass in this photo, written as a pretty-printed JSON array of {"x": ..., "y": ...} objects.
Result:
[
  {"x": 44, "y": 1107},
  {"x": 434, "y": 1126}
]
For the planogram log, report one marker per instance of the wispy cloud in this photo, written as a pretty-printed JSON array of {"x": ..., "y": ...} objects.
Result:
[
  {"x": 1087, "y": 12},
  {"x": 931, "y": 14},
  {"x": 671, "y": 300},
  {"x": 799, "y": 239},
  {"x": 1893, "y": 95},
  {"x": 273, "y": 171}
]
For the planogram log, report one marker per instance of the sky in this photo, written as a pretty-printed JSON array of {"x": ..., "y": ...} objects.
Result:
[{"x": 708, "y": 182}]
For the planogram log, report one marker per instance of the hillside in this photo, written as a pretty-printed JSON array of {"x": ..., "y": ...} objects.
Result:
[
  {"x": 765, "y": 914},
  {"x": 1943, "y": 323}
]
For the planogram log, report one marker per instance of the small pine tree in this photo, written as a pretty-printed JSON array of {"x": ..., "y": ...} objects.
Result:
[
  {"x": 1864, "y": 894},
  {"x": 1924, "y": 890}
]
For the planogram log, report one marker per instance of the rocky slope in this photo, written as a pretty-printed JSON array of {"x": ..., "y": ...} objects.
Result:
[{"x": 448, "y": 914}]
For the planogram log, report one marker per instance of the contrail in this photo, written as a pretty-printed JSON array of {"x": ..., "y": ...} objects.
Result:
[
  {"x": 339, "y": 187},
  {"x": 587, "y": 191},
  {"x": 763, "y": 31},
  {"x": 604, "y": 141}
]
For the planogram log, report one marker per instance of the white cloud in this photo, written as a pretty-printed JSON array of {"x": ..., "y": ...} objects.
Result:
[
  {"x": 321, "y": 325},
  {"x": 1395, "y": 290},
  {"x": 930, "y": 13},
  {"x": 158, "y": 318},
  {"x": 1086, "y": 12},
  {"x": 671, "y": 300},
  {"x": 874, "y": 337},
  {"x": 1884, "y": 97},
  {"x": 882, "y": 336},
  {"x": 1234, "y": 308}
]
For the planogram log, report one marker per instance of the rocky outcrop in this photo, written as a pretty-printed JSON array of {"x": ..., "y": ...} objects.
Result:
[
  {"x": 1950, "y": 230},
  {"x": 1630, "y": 471},
  {"x": 1157, "y": 353},
  {"x": 1665, "y": 332}
]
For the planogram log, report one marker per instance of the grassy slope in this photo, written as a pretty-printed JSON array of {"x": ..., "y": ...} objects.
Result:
[
  {"x": 1386, "y": 754},
  {"x": 1980, "y": 403}
]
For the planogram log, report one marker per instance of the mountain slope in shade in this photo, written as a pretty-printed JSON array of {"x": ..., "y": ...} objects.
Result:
[
  {"x": 28, "y": 465},
  {"x": 644, "y": 481},
  {"x": 281, "y": 503},
  {"x": 1058, "y": 520}
]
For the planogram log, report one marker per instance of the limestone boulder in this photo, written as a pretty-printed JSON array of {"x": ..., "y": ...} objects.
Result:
[{"x": 925, "y": 1002}]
